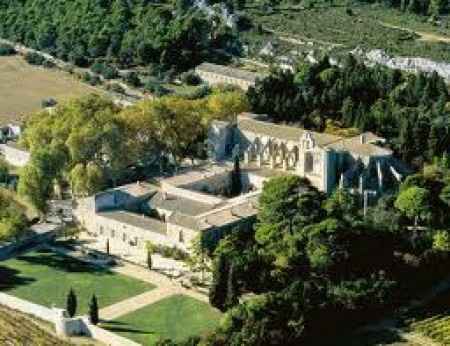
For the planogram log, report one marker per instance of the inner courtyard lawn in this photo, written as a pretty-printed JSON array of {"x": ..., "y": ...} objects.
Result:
[
  {"x": 176, "y": 317},
  {"x": 45, "y": 278}
]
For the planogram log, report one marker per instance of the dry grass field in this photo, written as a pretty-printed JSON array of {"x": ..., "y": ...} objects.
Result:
[
  {"x": 17, "y": 329},
  {"x": 23, "y": 87}
]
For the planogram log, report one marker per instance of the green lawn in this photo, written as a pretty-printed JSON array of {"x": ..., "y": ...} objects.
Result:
[
  {"x": 45, "y": 278},
  {"x": 176, "y": 317}
]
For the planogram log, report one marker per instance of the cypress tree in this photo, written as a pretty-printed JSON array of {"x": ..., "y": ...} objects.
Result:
[
  {"x": 232, "y": 289},
  {"x": 218, "y": 290},
  {"x": 236, "y": 183},
  {"x": 149, "y": 259},
  {"x": 71, "y": 303},
  {"x": 93, "y": 310}
]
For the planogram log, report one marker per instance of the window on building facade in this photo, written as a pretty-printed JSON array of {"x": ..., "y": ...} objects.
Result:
[
  {"x": 113, "y": 233},
  {"x": 309, "y": 162},
  {"x": 181, "y": 237},
  {"x": 124, "y": 237}
]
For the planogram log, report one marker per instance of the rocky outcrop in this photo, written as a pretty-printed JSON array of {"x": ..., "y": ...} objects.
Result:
[{"x": 378, "y": 56}]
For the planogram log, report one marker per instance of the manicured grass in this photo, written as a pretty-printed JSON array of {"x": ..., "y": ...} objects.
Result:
[
  {"x": 23, "y": 87},
  {"x": 176, "y": 317},
  {"x": 45, "y": 278}
]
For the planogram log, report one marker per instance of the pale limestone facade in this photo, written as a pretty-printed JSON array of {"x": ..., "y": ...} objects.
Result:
[
  {"x": 218, "y": 74},
  {"x": 325, "y": 160},
  {"x": 14, "y": 155},
  {"x": 174, "y": 213}
]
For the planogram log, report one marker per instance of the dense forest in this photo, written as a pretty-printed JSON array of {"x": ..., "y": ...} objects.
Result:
[
  {"x": 316, "y": 275},
  {"x": 128, "y": 32},
  {"x": 409, "y": 110}
]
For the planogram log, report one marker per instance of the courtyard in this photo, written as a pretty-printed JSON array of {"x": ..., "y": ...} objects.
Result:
[
  {"x": 45, "y": 277},
  {"x": 176, "y": 317}
]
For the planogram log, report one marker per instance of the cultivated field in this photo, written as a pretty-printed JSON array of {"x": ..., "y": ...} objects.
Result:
[
  {"x": 176, "y": 317},
  {"x": 45, "y": 278},
  {"x": 341, "y": 29},
  {"x": 23, "y": 87}
]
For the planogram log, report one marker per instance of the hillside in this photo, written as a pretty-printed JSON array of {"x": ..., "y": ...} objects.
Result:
[
  {"x": 339, "y": 28},
  {"x": 177, "y": 35},
  {"x": 16, "y": 329}
]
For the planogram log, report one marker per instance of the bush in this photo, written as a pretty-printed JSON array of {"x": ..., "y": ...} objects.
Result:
[
  {"x": 199, "y": 93},
  {"x": 133, "y": 79},
  {"x": 107, "y": 71},
  {"x": 6, "y": 50},
  {"x": 34, "y": 59},
  {"x": 190, "y": 78},
  {"x": 48, "y": 63},
  {"x": 156, "y": 88},
  {"x": 115, "y": 87},
  {"x": 50, "y": 102},
  {"x": 110, "y": 72}
]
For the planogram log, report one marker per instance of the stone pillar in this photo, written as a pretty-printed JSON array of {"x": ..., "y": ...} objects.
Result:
[
  {"x": 380, "y": 176},
  {"x": 273, "y": 162},
  {"x": 285, "y": 164},
  {"x": 260, "y": 159},
  {"x": 246, "y": 157}
]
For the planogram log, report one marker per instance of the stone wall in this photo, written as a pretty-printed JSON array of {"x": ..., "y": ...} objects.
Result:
[
  {"x": 14, "y": 156},
  {"x": 65, "y": 326},
  {"x": 215, "y": 78}
]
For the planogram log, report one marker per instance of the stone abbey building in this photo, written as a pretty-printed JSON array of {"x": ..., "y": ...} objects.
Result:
[
  {"x": 326, "y": 160},
  {"x": 195, "y": 203}
]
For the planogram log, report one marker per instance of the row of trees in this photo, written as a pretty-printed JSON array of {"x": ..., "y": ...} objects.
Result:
[
  {"x": 411, "y": 111},
  {"x": 91, "y": 144},
  {"x": 72, "y": 304},
  {"x": 423, "y": 7},
  {"x": 124, "y": 31}
]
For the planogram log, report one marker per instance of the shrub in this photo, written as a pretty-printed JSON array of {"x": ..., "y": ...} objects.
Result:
[
  {"x": 110, "y": 72},
  {"x": 199, "y": 93},
  {"x": 156, "y": 88},
  {"x": 34, "y": 58},
  {"x": 50, "y": 102},
  {"x": 6, "y": 50},
  {"x": 133, "y": 79},
  {"x": 115, "y": 87},
  {"x": 190, "y": 78}
]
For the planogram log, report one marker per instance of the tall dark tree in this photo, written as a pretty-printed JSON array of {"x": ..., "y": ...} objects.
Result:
[
  {"x": 236, "y": 178},
  {"x": 93, "y": 310},
  {"x": 71, "y": 303},
  {"x": 218, "y": 290}
]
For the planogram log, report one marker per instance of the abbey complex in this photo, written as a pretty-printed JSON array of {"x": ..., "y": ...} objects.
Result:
[{"x": 195, "y": 202}]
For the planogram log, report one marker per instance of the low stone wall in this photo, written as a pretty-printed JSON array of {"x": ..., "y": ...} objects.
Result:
[
  {"x": 65, "y": 326},
  {"x": 15, "y": 156},
  {"x": 27, "y": 307}
]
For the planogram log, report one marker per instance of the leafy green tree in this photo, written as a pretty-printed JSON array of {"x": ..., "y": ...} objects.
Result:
[
  {"x": 441, "y": 241},
  {"x": 414, "y": 203}
]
